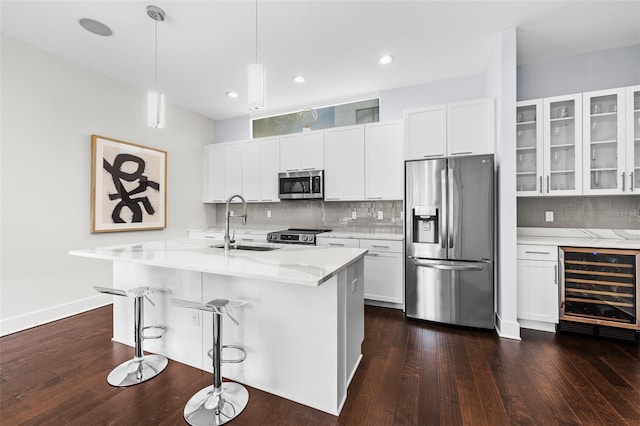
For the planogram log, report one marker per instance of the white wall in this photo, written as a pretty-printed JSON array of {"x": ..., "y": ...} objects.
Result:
[
  {"x": 50, "y": 108},
  {"x": 501, "y": 84},
  {"x": 581, "y": 73}
]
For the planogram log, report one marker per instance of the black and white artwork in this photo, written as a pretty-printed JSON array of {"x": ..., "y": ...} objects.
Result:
[{"x": 128, "y": 186}]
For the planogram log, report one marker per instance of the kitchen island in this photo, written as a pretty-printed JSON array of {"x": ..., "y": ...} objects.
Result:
[{"x": 302, "y": 326}]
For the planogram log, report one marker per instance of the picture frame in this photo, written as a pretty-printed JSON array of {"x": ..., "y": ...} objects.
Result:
[{"x": 128, "y": 186}]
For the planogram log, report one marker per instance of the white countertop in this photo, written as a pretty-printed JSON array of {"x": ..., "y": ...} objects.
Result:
[
  {"x": 577, "y": 237},
  {"x": 310, "y": 266}
]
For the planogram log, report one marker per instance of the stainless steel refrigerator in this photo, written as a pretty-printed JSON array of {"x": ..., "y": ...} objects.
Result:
[{"x": 449, "y": 240}]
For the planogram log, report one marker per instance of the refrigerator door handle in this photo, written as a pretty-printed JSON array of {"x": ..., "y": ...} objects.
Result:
[
  {"x": 448, "y": 266},
  {"x": 450, "y": 227},
  {"x": 444, "y": 203}
]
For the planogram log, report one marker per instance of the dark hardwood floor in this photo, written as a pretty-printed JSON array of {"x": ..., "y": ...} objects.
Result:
[{"x": 412, "y": 373}]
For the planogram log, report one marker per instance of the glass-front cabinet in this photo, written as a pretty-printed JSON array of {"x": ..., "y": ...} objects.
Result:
[
  {"x": 529, "y": 148},
  {"x": 632, "y": 125},
  {"x": 562, "y": 143},
  {"x": 604, "y": 161}
]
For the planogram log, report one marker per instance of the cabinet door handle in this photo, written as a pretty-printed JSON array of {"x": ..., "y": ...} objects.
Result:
[
  {"x": 375, "y": 246},
  {"x": 541, "y": 184},
  {"x": 548, "y": 184},
  {"x": 462, "y": 153},
  {"x": 331, "y": 199},
  {"x": 309, "y": 168},
  {"x": 631, "y": 181},
  {"x": 432, "y": 155},
  {"x": 336, "y": 244},
  {"x": 623, "y": 182},
  {"x": 291, "y": 170},
  {"x": 537, "y": 252},
  {"x": 372, "y": 254},
  {"x": 374, "y": 198},
  {"x": 555, "y": 274},
  {"x": 249, "y": 199},
  {"x": 247, "y": 239}
]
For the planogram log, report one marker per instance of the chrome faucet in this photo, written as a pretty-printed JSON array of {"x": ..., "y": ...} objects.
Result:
[{"x": 227, "y": 239}]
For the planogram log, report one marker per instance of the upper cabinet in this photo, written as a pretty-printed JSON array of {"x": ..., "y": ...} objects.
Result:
[
  {"x": 344, "y": 163},
  {"x": 562, "y": 149},
  {"x": 471, "y": 127},
  {"x": 461, "y": 128},
  {"x": 302, "y": 151},
  {"x": 384, "y": 167},
  {"x": 529, "y": 147},
  {"x": 604, "y": 161},
  {"x": 260, "y": 166},
  {"x": 632, "y": 124},
  {"x": 425, "y": 133},
  {"x": 590, "y": 144},
  {"x": 222, "y": 171}
]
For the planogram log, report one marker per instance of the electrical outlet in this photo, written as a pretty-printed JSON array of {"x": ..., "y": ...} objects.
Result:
[
  {"x": 380, "y": 215},
  {"x": 548, "y": 216},
  {"x": 195, "y": 319},
  {"x": 268, "y": 213},
  {"x": 354, "y": 214},
  {"x": 231, "y": 212}
]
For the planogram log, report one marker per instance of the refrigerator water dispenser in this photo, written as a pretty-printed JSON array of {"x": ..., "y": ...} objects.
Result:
[{"x": 425, "y": 224}]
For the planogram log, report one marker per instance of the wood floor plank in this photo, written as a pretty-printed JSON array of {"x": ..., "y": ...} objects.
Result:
[{"x": 412, "y": 373}]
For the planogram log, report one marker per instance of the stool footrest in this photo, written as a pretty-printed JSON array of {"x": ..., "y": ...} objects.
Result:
[
  {"x": 230, "y": 361},
  {"x": 162, "y": 328}
]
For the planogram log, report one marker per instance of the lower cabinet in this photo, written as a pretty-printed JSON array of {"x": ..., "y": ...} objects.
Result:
[
  {"x": 383, "y": 280},
  {"x": 538, "y": 294}
]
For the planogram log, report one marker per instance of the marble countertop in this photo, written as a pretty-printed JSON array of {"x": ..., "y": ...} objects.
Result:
[
  {"x": 578, "y": 237},
  {"x": 301, "y": 265}
]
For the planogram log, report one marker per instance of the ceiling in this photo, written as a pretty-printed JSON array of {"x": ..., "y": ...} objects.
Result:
[{"x": 204, "y": 47}]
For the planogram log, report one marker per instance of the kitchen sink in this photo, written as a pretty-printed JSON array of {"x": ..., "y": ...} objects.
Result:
[{"x": 249, "y": 248}]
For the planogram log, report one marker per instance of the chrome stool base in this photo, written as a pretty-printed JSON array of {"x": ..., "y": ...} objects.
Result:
[
  {"x": 135, "y": 371},
  {"x": 208, "y": 408}
]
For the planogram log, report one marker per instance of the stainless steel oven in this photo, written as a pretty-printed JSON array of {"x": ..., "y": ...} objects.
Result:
[{"x": 304, "y": 185}]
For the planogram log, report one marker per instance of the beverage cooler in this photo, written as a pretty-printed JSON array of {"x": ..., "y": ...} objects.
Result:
[{"x": 599, "y": 292}]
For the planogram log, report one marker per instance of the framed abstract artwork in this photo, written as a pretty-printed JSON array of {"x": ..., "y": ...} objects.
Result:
[{"x": 128, "y": 186}]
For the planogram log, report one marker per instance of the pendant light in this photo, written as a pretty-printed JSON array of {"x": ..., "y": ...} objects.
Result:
[
  {"x": 155, "y": 99},
  {"x": 257, "y": 91}
]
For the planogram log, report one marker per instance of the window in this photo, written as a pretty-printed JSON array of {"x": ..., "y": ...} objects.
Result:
[{"x": 330, "y": 116}]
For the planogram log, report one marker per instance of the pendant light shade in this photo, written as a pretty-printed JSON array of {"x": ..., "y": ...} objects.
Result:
[
  {"x": 257, "y": 87},
  {"x": 155, "y": 99},
  {"x": 155, "y": 110}
]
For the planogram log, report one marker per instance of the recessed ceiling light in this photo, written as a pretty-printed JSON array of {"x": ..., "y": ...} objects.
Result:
[
  {"x": 298, "y": 79},
  {"x": 95, "y": 27},
  {"x": 385, "y": 59},
  {"x": 232, "y": 94}
]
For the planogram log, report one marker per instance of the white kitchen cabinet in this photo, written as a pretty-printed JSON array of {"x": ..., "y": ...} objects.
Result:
[
  {"x": 461, "y": 128},
  {"x": 562, "y": 145},
  {"x": 632, "y": 125},
  {"x": 384, "y": 166},
  {"x": 344, "y": 163},
  {"x": 214, "y": 173},
  {"x": 604, "y": 156},
  {"x": 232, "y": 169},
  {"x": 529, "y": 148},
  {"x": 383, "y": 270},
  {"x": 471, "y": 127},
  {"x": 251, "y": 171},
  {"x": 354, "y": 324},
  {"x": 425, "y": 133},
  {"x": 269, "y": 167},
  {"x": 538, "y": 294},
  {"x": 302, "y": 151}
]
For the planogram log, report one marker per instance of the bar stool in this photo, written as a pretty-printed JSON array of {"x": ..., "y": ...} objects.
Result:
[
  {"x": 142, "y": 367},
  {"x": 221, "y": 402}
]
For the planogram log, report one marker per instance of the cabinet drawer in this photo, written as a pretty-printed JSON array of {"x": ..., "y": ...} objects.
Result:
[
  {"x": 338, "y": 242},
  {"x": 390, "y": 246},
  {"x": 250, "y": 238},
  {"x": 535, "y": 252}
]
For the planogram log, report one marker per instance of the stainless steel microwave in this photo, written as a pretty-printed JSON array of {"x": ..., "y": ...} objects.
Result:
[{"x": 304, "y": 185}]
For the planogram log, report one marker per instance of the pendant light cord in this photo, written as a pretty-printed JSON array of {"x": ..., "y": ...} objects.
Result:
[
  {"x": 256, "y": 31},
  {"x": 156, "y": 63}
]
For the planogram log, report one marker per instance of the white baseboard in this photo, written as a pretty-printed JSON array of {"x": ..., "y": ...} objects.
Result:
[
  {"x": 36, "y": 318},
  {"x": 549, "y": 327},
  {"x": 507, "y": 329}
]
